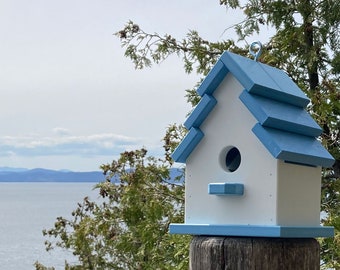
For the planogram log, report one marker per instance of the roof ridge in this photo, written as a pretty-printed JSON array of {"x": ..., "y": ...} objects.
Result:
[{"x": 264, "y": 80}]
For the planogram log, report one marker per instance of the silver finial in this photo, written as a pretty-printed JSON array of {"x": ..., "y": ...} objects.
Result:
[{"x": 255, "y": 49}]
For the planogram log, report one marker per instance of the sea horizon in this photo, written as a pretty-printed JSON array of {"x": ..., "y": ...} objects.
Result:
[
  {"x": 41, "y": 175},
  {"x": 9, "y": 174}
]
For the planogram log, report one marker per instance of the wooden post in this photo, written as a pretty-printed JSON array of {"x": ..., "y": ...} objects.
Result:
[{"x": 245, "y": 253}]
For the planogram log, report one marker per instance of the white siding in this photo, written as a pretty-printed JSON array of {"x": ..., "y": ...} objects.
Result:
[{"x": 230, "y": 124}]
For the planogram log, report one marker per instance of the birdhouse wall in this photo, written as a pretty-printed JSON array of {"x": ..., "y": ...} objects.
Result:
[
  {"x": 299, "y": 191},
  {"x": 229, "y": 125}
]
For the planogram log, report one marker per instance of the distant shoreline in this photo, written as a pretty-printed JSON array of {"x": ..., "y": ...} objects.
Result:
[
  {"x": 22, "y": 175},
  {"x": 48, "y": 181}
]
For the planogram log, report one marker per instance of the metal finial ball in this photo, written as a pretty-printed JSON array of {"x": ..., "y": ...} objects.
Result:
[{"x": 255, "y": 49}]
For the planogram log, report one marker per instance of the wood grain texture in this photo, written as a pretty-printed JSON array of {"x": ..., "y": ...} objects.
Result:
[{"x": 243, "y": 253}]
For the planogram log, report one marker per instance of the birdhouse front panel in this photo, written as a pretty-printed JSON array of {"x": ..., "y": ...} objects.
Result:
[
  {"x": 227, "y": 129},
  {"x": 253, "y": 161}
]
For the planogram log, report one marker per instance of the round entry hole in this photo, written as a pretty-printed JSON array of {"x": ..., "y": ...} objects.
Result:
[{"x": 231, "y": 159}]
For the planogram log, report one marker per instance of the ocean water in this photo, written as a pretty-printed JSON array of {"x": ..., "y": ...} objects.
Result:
[{"x": 28, "y": 208}]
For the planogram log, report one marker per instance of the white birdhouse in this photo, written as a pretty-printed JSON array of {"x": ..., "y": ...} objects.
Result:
[{"x": 253, "y": 161}]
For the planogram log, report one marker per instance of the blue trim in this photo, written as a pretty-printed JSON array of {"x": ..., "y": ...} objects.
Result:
[
  {"x": 202, "y": 110},
  {"x": 213, "y": 79},
  {"x": 188, "y": 144},
  {"x": 264, "y": 80},
  {"x": 252, "y": 230},
  {"x": 279, "y": 115},
  {"x": 277, "y": 103},
  {"x": 293, "y": 147},
  {"x": 233, "y": 189}
]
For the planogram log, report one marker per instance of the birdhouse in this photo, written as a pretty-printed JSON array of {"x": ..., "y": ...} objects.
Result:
[{"x": 253, "y": 160}]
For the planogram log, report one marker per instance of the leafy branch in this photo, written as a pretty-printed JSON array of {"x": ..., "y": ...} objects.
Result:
[{"x": 145, "y": 48}]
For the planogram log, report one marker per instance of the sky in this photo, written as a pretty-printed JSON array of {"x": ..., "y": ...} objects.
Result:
[{"x": 69, "y": 99}]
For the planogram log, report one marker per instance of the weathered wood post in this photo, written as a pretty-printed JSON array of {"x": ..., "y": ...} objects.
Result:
[
  {"x": 243, "y": 253},
  {"x": 253, "y": 171}
]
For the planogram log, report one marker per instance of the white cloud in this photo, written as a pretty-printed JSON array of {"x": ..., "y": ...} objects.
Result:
[
  {"x": 61, "y": 131},
  {"x": 106, "y": 144}
]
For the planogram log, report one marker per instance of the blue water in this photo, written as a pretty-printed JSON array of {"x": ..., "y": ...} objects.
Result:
[{"x": 28, "y": 208}]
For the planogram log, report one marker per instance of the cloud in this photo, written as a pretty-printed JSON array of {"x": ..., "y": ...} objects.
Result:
[
  {"x": 106, "y": 144},
  {"x": 61, "y": 131}
]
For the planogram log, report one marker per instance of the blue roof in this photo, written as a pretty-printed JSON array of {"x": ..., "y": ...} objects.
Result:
[{"x": 284, "y": 127}]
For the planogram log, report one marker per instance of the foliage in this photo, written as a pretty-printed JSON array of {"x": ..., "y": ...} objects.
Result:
[
  {"x": 144, "y": 48},
  {"x": 330, "y": 248},
  {"x": 128, "y": 227}
]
